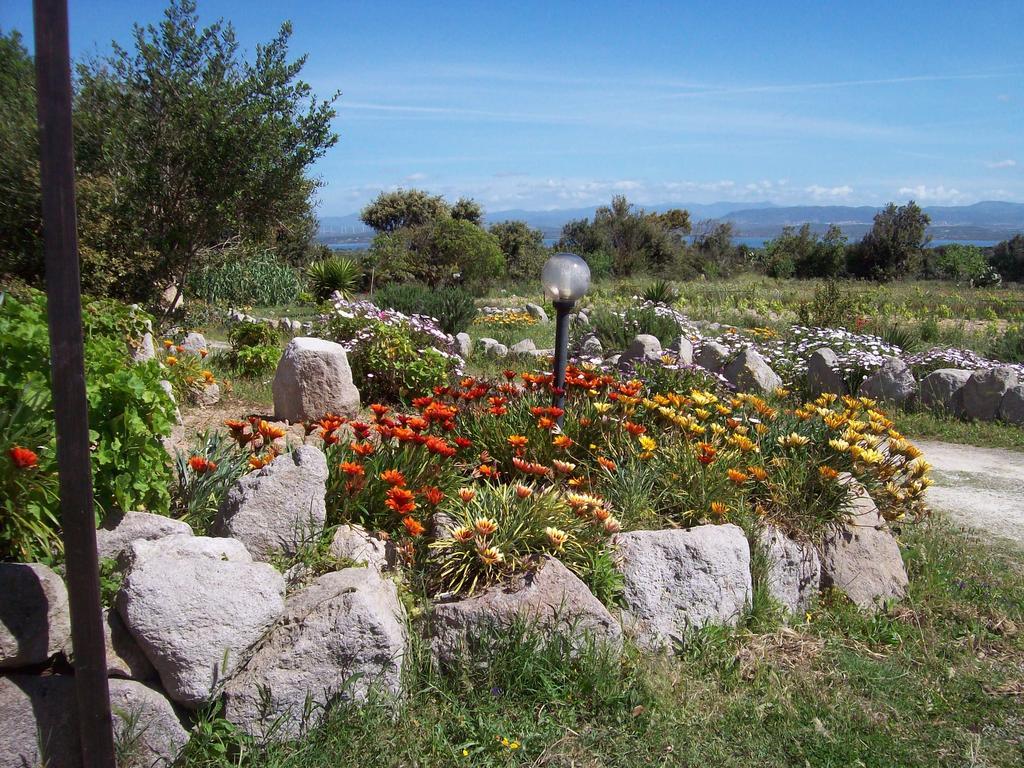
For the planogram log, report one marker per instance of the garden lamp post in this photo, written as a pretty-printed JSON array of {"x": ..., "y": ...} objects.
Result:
[{"x": 566, "y": 277}]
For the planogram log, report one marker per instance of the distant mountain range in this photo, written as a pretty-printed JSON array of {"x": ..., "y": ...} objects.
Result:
[{"x": 989, "y": 220}]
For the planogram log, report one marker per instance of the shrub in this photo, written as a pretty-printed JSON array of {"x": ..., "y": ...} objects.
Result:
[
  {"x": 523, "y": 248},
  {"x": 661, "y": 292},
  {"x": 453, "y": 308},
  {"x": 1009, "y": 346},
  {"x": 831, "y": 307},
  {"x": 336, "y": 274},
  {"x": 250, "y": 334},
  {"x": 617, "y": 329},
  {"x": 204, "y": 475},
  {"x": 254, "y": 349},
  {"x": 245, "y": 279}
]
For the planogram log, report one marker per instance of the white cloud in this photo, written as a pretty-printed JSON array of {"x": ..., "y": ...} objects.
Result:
[
  {"x": 819, "y": 192},
  {"x": 418, "y": 176},
  {"x": 938, "y": 194},
  {"x": 1007, "y": 163}
]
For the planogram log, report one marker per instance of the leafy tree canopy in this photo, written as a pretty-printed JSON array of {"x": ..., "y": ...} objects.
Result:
[
  {"x": 404, "y": 208},
  {"x": 895, "y": 241}
]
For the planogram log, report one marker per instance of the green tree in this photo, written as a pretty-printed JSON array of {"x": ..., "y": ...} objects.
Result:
[
  {"x": 523, "y": 248},
  {"x": 714, "y": 245},
  {"x": 895, "y": 241},
  {"x": 960, "y": 262},
  {"x": 1008, "y": 259},
  {"x": 803, "y": 253},
  {"x": 459, "y": 252},
  {"x": 203, "y": 148},
  {"x": 467, "y": 209},
  {"x": 404, "y": 208}
]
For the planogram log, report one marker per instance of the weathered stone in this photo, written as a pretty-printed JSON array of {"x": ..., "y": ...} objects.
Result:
[
  {"x": 1011, "y": 410},
  {"x": 196, "y": 608},
  {"x": 170, "y": 298},
  {"x": 712, "y": 356},
  {"x": 35, "y": 624},
  {"x": 683, "y": 348},
  {"x": 492, "y": 347},
  {"x": 793, "y": 574},
  {"x": 195, "y": 344},
  {"x": 612, "y": 359},
  {"x": 280, "y": 507},
  {"x": 749, "y": 372},
  {"x": 341, "y": 637},
  {"x": 644, "y": 348},
  {"x": 891, "y": 383},
  {"x": 145, "y": 350},
  {"x": 580, "y": 317},
  {"x": 823, "y": 374},
  {"x": 167, "y": 387},
  {"x": 541, "y": 354},
  {"x": 522, "y": 347},
  {"x": 118, "y": 532},
  {"x": 465, "y": 343},
  {"x": 39, "y": 714},
  {"x": 591, "y": 346},
  {"x": 861, "y": 557},
  {"x": 943, "y": 389},
  {"x": 355, "y": 543},
  {"x": 551, "y": 598},
  {"x": 124, "y": 657},
  {"x": 537, "y": 312},
  {"x": 207, "y": 395},
  {"x": 313, "y": 379},
  {"x": 676, "y": 580},
  {"x": 983, "y": 392}
]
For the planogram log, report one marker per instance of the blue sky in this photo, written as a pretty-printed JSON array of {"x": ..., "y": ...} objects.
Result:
[{"x": 545, "y": 105}]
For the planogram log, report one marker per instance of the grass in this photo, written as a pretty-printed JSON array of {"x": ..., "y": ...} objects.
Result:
[
  {"x": 934, "y": 681},
  {"x": 933, "y": 425}
]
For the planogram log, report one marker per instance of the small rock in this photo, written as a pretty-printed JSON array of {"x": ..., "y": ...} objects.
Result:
[
  {"x": 1011, "y": 410},
  {"x": 823, "y": 374},
  {"x": 676, "y": 580},
  {"x": 208, "y": 395},
  {"x": 591, "y": 346},
  {"x": 983, "y": 392},
  {"x": 712, "y": 356},
  {"x": 35, "y": 623},
  {"x": 522, "y": 347},
  {"x": 537, "y": 312},
  {"x": 145, "y": 721},
  {"x": 943, "y": 389},
  {"x": 541, "y": 354},
  {"x": 683, "y": 348},
  {"x": 118, "y": 532},
  {"x": 749, "y": 372},
  {"x": 891, "y": 383},
  {"x": 195, "y": 344},
  {"x": 492, "y": 347},
  {"x": 280, "y": 507},
  {"x": 167, "y": 387},
  {"x": 581, "y": 318},
  {"x": 612, "y": 360},
  {"x": 465, "y": 343},
  {"x": 353, "y": 542},
  {"x": 862, "y": 558},
  {"x": 793, "y": 576},
  {"x": 341, "y": 636},
  {"x": 550, "y": 597},
  {"x": 171, "y": 299},
  {"x": 145, "y": 351},
  {"x": 313, "y": 379},
  {"x": 643, "y": 348}
]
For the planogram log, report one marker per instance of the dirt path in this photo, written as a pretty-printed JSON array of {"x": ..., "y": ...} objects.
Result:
[{"x": 979, "y": 487}]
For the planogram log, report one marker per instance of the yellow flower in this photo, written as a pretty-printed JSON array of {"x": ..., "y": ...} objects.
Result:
[
  {"x": 485, "y": 526},
  {"x": 491, "y": 556},
  {"x": 602, "y": 408},
  {"x": 793, "y": 440},
  {"x": 839, "y": 445},
  {"x": 556, "y": 537},
  {"x": 870, "y": 456},
  {"x": 648, "y": 443},
  {"x": 171, "y": 360},
  {"x": 718, "y": 509}
]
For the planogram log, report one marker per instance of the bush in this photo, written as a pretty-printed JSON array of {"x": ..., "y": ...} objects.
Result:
[
  {"x": 245, "y": 279},
  {"x": 617, "y": 329},
  {"x": 334, "y": 274},
  {"x": 129, "y": 413},
  {"x": 204, "y": 475},
  {"x": 250, "y": 334},
  {"x": 254, "y": 349},
  {"x": 453, "y": 308},
  {"x": 1009, "y": 346},
  {"x": 1008, "y": 258}
]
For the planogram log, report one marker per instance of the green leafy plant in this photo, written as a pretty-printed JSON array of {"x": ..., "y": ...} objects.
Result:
[
  {"x": 237, "y": 277},
  {"x": 453, "y": 307},
  {"x": 336, "y": 274},
  {"x": 661, "y": 292},
  {"x": 250, "y": 334},
  {"x": 204, "y": 475}
]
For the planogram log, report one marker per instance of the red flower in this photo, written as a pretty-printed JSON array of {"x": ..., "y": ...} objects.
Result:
[
  {"x": 362, "y": 449},
  {"x": 463, "y": 442},
  {"x": 413, "y": 526},
  {"x": 393, "y": 477},
  {"x": 352, "y": 469},
  {"x": 400, "y": 500},
  {"x": 201, "y": 465},
  {"x": 705, "y": 453},
  {"x": 433, "y": 495},
  {"x": 23, "y": 458},
  {"x": 361, "y": 430}
]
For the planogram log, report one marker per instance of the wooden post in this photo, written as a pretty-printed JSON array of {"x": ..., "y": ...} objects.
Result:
[{"x": 67, "y": 369}]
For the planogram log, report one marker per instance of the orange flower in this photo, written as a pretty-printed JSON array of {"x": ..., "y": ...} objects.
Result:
[
  {"x": 518, "y": 441},
  {"x": 235, "y": 426},
  {"x": 433, "y": 495},
  {"x": 634, "y": 429},
  {"x": 463, "y": 535},
  {"x": 606, "y": 463},
  {"x": 259, "y": 462},
  {"x": 524, "y": 491},
  {"x": 201, "y": 465},
  {"x": 362, "y": 449},
  {"x": 441, "y": 447},
  {"x": 168, "y": 343},
  {"x": 393, "y": 477},
  {"x": 467, "y": 494},
  {"x": 545, "y": 423},
  {"x": 827, "y": 472},
  {"x": 378, "y": 410},
  {"x": 529, "y": 467},
  {"x": 269, "y": 431},
  {"x": 484, "y": 526},
  {"x": 204, "y": 352},
  {"x": 400, "y": 500},
  {"x": 718, "y": 509},
  {"x": 562, "y": 441},
  {"x": 487, "y": 470},
  {"x": 23, "y": 458},
  {"x": 413, "y": 526},
  {"x": 758, "y": 473},
  {"x": 171, "y": 360},
  {"x": 739, "y": 478},
  {"x": 352, "y": 469},
  {"x": 705, "y": 453}
]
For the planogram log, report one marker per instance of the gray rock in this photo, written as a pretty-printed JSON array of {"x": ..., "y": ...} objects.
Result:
[
  {"x": 341, "y": 637},
  {"x": 712, "y": 356},
  {"x": 551, "y": 598},
  {"x": 35, "y": 624},
  {"x": 749, "y": 372},
  {"x": 196, "y": 608},
  {"x": 195, "y": 344},
  {"x": 1011, "y": 410},
  {"x": 581, "y": 317},
  {"x": 537, "y": 311},
  {"x": 823, "y": 373},
  {"x": 145, "y": 351},
  {"x": 612, "y": 359},
  {"x": 207, "y": 395},
  {"x": 40, "y": 720},
  {"x": 541, "y": 354},
  {"x": 171, "y": 299},
  {"x": 862, "y": 558},
  {"x": 943, "y": 389},
  {"x": 492, "y": 347},
  {"x": 683, "y": 348},
  {"x": 522, "y": 347},
  {"x": 313, "y": 379},
  {"x": 167, "y": 387},
  {"x": 891, "y": 383},
  {"x": 591, "y": 346},
  {"x": 983, "y": 392},
  {"x": 117, "y": 533},
  {"x": 465, "y": 343},
  {"x": 124, "y": 657},
  {"x": 793, "y": 574},
  {"x": 280, "y": 507},
  {"x": 676, "y": 580},
  {"x": 353, "y": 542},
  {"x": 643, "y": 348}
]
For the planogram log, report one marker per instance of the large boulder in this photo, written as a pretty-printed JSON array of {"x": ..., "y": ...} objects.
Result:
[
  {"x": 355, "y": 544},
  {"x": 644, "y": 348},
  {"x": 983, "y": 393},
  {"x": 342, "y": 636},
  {"x": 943, "y": 389},
  {"x": 196, "y": 608},
  {"x": 550, "y": 598},
  {"x": 536, "y": 311},
  {"x": 712, "y": 356},
  {"x": 892, "y": 382},
  {"x": 35, "y": 624},
  {"x": 1011, "y": 410},
  {"x": 313, "y": 378},
  {"x": 683, "y": 348},
  {"x": 749, "y": 372},
  {"x": 117, "y": 533},
  {"x": 793, "y": 570},
  {"x": 40, "y": 723},
  {"x": 823, "y": 373},
  {"x": 861, "y": 557},
  {"x": 280, "y": 507},
  {"x": 124, "y": 657},
  {"x": 676, "y": 580}
]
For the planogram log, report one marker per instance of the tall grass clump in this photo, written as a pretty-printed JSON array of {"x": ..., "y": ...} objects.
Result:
[
  {"x": 336, "y": 274},
  {"x": 257, "y": 279},
  {"x": 453, "y": 308}
]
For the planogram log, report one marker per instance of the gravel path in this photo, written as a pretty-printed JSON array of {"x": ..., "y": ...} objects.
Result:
[{"x": 979, "y": 487}]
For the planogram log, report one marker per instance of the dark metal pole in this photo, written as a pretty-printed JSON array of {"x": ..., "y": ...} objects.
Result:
[
  {"x": 562, "y": 310},
  {"x": 67, "y": 369}
]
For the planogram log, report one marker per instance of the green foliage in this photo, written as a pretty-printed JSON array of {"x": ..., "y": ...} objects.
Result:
[
  {"x": 459, "y": 250},
  {"x": 1008, "y": 258},
  {"x": 334, "y": 274},
  {"x": 254, "y": 362},
  {"x": 453, "y": 307},
  {"x": 198, "y": 492},
  {"x": 404, "y": 209},
  {"x": 661, "y": 292},
  {"x": 251, "y": 334},
  {"x": 831, "y": 307},
  {"x": 239, "y": 277},
  {"x": 110, "y": 580},
  {"x": 714, "y": 244},
  {"x": 1009, "y": 345},
  {"x": 467, "y": 209},
  {"x": 523, "y": 248},
  {"x": 802, "y": 253},
  {"x": 961, "y": 262},
  {"x": 616, "y": 330},
  {"x": 895, "y": 241}
]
